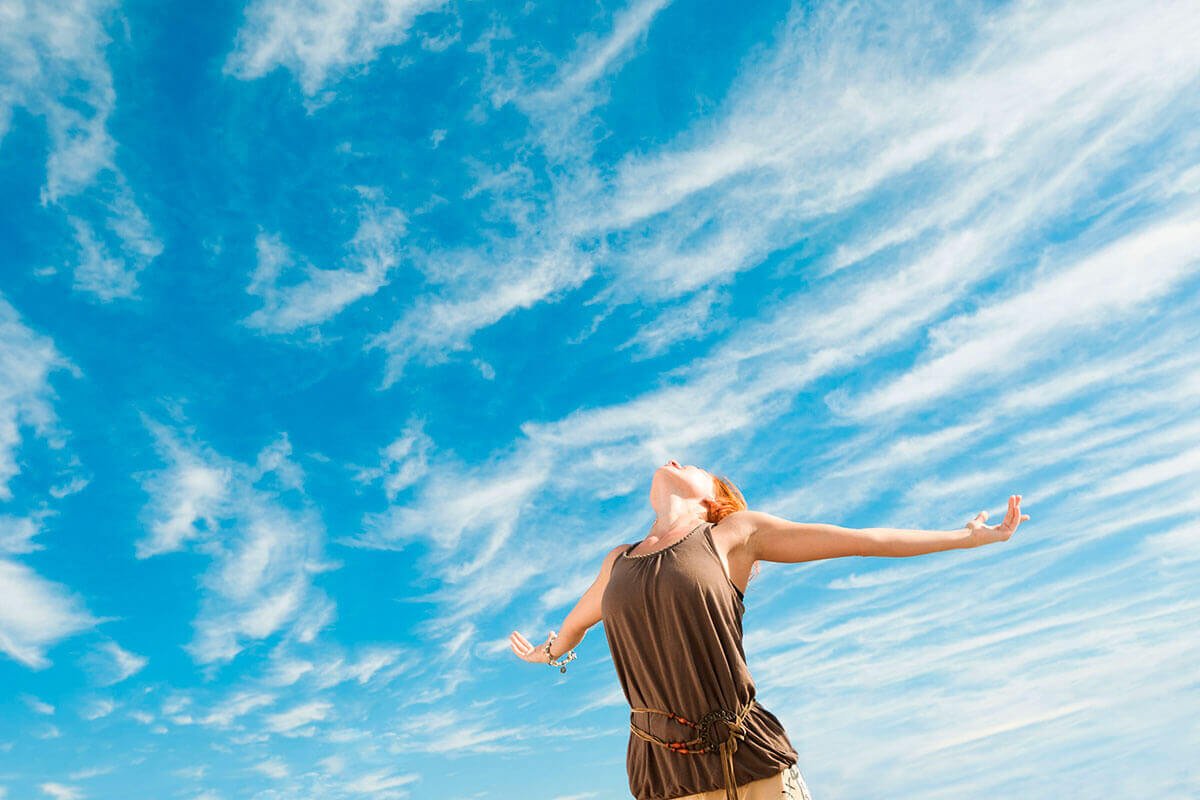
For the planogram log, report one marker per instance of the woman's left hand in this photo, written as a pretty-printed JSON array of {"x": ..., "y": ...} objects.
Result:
[
  {"x": 982, "y": 533},
  {"x": 526, "y": 650}
]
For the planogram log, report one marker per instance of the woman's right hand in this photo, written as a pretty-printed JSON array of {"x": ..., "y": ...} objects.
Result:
[
  {"x": 527, "y": 651},
  {"x": 982, "y": 533}
]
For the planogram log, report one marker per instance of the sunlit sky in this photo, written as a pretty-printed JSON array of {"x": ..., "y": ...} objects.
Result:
[{"x": 340, "y": 339}]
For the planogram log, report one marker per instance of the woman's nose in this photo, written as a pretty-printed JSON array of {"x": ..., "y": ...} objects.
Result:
[{"x": 674, "y": 463}]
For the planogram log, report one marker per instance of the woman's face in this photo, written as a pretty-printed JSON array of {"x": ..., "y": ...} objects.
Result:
[{"x": 686, "y": 481}]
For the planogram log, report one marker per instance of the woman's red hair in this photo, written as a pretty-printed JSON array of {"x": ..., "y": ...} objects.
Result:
[{"x": 727, "y": 499}]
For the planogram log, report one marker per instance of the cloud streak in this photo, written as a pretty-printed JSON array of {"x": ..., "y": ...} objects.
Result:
[
  {"x": 264, "y": 551},
  {"x": 301, "y": 295},
  {"x": 54, "y": 67},
  {"x": 320, "y": 41}
]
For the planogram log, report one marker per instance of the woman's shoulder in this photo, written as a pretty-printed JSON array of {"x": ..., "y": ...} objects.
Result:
[
  {"x": 612, "y": 556},
  {"x": 735, "y": 527}
]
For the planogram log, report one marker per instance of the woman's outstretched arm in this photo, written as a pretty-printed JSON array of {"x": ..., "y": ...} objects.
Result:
[
  {"x": 772, "y": 538},
  {"x": 583, "y": 616}
]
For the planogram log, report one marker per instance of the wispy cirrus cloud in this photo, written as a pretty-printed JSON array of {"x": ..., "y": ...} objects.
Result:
[
  {"x": 37, "y": 612},
  {"x": 1121, "y": 279},
  {"x": 593, "y": 57},
  {"x": 319, "y": 40},
  {"x": 289, "y": 722},
  {"x": 53, "y": 66},
  {"x": 61, "y": 791},
  {"x": 238, "y": 705},
  {"x": 814, "y": 129},
  {"x": 27, "y": 359},
  {"x": 297, "y": 295},
  {"x": 97, "y": 708},
  {"x": 111, "y": 664},
  {"x": 478, "y": 287},
  {"x": 273, "y": 768},
  {"x": 382, "y": 781},
  {"x": 17, "y": 534},
  {"x": 38, "y": 706},
  {"x": 264, "y": 551}
]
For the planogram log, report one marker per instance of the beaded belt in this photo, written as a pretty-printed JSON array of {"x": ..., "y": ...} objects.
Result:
[{"x": 707, "y": 737}]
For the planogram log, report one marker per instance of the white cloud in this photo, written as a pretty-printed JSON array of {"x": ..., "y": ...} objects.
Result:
[
  {"x": 1097, "y": 290},
  {"x": 237, "y": 705},
  {"x": 286, "y": 671},
  {"x": 97, "y": 709},
  {"x": 594, "y": 57},
  {"x": 297, "y": 295},
  {"x": 144, "y": 717},
  {"x": 53, "y": 65},
  {"x": 17, "y": 533},
  {"x": 26, "y": 361},
  {"x": 273, "y": 768},
  {"x": 36, "y": 613},
  {"x": 492, "y": 286},
  {"x": 288, "y": 721},
  {"x": 1003, "y": 138},
  {"x": 188, "y": 496},
  {"x": 380, "y": 781},
  {"x": 61, "y": 791},
  {"x": 264, "y": 551},
  {"x": 476, "y": 288},
  {"x": 333, "y": 765},
  {"x": 38, "y": 706},
  {"x": 320, "y": 40},
  {"x": 47, "y": 732},
  {"x": 985, "y": 114},
  {"x": 403, "y": 462},
  {"x": 112, "y": 663},
  {"x": 453, "y": 730}
]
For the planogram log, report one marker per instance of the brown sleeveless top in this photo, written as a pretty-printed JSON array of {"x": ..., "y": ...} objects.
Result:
[{"x": 673, "y": 620}]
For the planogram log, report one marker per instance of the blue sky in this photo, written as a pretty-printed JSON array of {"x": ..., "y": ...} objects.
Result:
[{"x": 338, "y": 340}]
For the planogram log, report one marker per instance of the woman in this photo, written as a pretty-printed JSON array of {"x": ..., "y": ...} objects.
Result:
[{"x": 672, "y": 608}]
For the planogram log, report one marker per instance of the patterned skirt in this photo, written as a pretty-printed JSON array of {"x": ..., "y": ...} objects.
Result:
[{"x": 786, "y": 785}]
